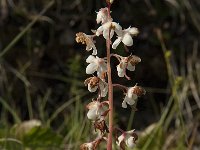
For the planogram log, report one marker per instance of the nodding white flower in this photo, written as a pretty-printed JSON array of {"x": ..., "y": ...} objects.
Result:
[
  {"x": 125, "y": 36},
  {"x": 103, "y": 16},
  {"x": 87, "y": 146},
  {"x": 96, "y": 110},
  {"x": 127, "y": 63},
  {"x": 111, "y": 1},
  {"x": 88, "y": 40},
  {"x": 96, "y": 64},
  {"x": 109, "y": 26},
  {"x": 92, "y": 145},
  {"x": 132, "y": 94},
  {"x": 128, "y": 139},
  {"x": 94, "y": 83}
]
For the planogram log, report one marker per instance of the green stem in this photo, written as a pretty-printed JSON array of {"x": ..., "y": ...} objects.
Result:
[{"x": 29, "y": 102}]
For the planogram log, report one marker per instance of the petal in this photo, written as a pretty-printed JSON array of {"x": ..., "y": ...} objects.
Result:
[
  {"x": 93, "y": 105},
  {"x": 90, "y": 146},
  {"x": 130, "y": 67},
  {"x": 99, "y": 31},
  {"x": 91, "y": 68},
  {"x": 129, "y": 101},
  {"x": 127, "y": 40},
  {"x": 134, "y": 96},
  {"x": 130, "y": 92},
  {"x": 120, "y": 139},
  {"x": 133, "y": 31},
  {"x": 104, "y": 91},
  {"x": 131, "y": 95},
  {"x": 120, "y": 71},
  {"x": 88, "y": 47},
  {"x": 90, "y": 59},
  {"x": 106, "y": 28},
  {"x": 92, "y": 89},
  {"x": 116, "y": 43},
  {"x": 130, "y": 132},
  {"x": 102, "y": 15},
  {"x": 94, "y": 50},
  {"x": 103, "y": 88},
  {"x": 111, "y": 34},
  {"x": 106, "y": 33},
  {"x": 124, "y": 105},
  {"x": 118, "y": 29},
  {"x": 92, "y": 114},
  {"x": 130, "y": 142},
  {"x": 101, "y": 69},
  {"x": 99, "y": 17}
]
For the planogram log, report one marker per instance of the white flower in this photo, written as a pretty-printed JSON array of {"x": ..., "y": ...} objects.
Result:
[
  {"x": 125, "y": 36},
  {"x": 132, "y": 94},
  {"x": 96, "y": 110},
  {"x": 127, "y": 138},
  {"x": 96, "y": 64},
  {"x": 88, "y": 40},
  {"x": 109, "y": 26},
  {"x": 87, "y": 146},
  {"x": 129, "y": 98},
  {"x": 111, "y": 1},
  {"x": 94, "y": 83},
  {"x": 102, "y": 16},
  {"x": 127, "y": 63},
  {"x": 92, "y": 145}
]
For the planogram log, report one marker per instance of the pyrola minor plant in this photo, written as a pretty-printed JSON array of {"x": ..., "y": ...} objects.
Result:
[{"x": 100, "y": 111}]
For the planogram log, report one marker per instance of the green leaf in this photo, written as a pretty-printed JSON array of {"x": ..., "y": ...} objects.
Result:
[{"x": 39, "y": 137}]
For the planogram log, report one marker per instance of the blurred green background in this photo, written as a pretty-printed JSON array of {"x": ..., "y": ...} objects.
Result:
[{"x": 42, "y": 70}]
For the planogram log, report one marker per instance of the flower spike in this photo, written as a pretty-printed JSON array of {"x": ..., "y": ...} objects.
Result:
[{"x": 100, "y": 111}]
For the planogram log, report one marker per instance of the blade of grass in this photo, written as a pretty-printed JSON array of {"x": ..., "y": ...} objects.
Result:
[
  {"x": 21, "y": 34},
  {"x": 29, "y": 102},
  {"x": 62, "y": 107},
  {"x": 6, "y": 106},
  {"x": 42, "y": 104}
]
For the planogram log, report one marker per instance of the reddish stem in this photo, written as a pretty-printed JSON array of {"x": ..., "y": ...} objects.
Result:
[
  {"x": 110, "y": 97},
  {"x": 110, "y": 91}
]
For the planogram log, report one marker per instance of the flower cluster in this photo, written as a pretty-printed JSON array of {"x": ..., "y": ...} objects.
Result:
[{"x": 99, "y": 109}]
